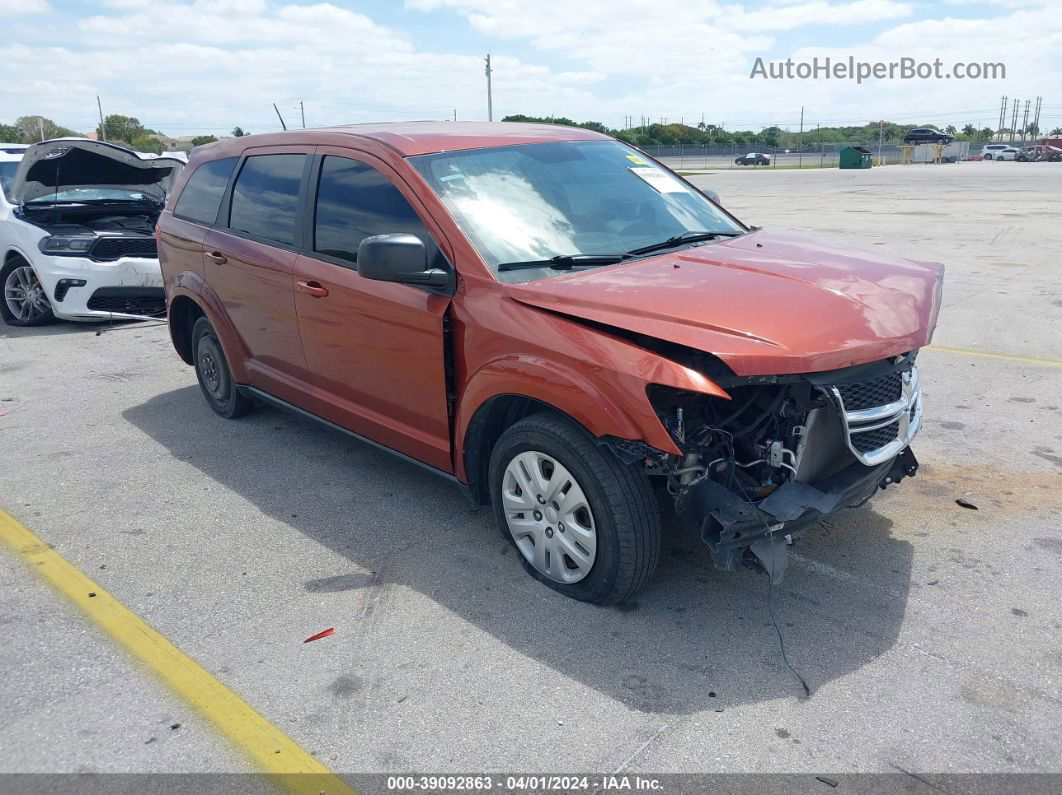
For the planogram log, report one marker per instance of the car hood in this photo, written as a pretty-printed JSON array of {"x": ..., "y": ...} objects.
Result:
[
  {"x": 765, "y": 303},
  {"x": 68, "y": 163}
]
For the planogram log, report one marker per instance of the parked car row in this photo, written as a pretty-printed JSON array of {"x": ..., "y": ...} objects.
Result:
[
  {"x": 1023, "y": 154},
  {"x": 543, "y": 315}
]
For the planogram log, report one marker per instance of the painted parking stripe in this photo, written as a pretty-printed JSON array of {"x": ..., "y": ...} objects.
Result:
[
  {"x": 1009, "y": 357},
  {"x": 268, "y": 747}
]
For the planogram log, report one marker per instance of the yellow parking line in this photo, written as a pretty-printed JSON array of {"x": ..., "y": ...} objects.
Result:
[
  {"x": 273, "y": 751},
  {"x": 990, "y": 355}
]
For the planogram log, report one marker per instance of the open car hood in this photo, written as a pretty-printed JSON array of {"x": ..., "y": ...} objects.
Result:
[
  {"x": 765, "y": 303},
  {"x": 68, "y": 163}
]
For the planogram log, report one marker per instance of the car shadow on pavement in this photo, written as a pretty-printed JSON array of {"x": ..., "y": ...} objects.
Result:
[{"x": 695, "y": 639}]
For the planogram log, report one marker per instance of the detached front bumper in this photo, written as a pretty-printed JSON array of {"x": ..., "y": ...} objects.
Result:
[{"x": 732, "y": 527}]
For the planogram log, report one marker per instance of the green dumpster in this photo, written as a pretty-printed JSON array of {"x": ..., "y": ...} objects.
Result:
[{"x": 856, "y": 157}]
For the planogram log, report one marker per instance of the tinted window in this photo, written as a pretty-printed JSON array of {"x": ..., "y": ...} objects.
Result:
[
  {"x": 202, "y": 193},
  {"x": 265, "y": 196},
  {"x": 355, "y": 201}
]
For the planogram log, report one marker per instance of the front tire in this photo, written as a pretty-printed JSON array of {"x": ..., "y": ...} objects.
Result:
[
  {"x": 215, "y": 377},
  {"x": 24, "y": 302},
  {"x": 585, "y": 524}
]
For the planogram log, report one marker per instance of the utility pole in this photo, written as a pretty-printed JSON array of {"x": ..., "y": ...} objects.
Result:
[
  {"x": 1002, "y": 117},
  {"x": 490, "y": 101},
  {"x": 40, "y": 126},
  {"x": 1036, "y": 117},
  {"x": 302, "y": 112},
  {"x": 455, "y": 114},
  {"x": 103, "y": 130},
  {"x": 1014, "y": 119},
  {"x": 881, "y": 137},
  {"x": 1025, "y": 120},
  {"x": 800, "y": 144}
]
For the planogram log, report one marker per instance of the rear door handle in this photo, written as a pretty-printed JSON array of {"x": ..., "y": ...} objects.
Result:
[
  {"x": 312, "y": 288},
  {"x": 217, "y": 257}
]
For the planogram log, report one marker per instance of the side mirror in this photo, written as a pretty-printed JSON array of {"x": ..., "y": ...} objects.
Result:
[
  {"x": 711, "y": 194},
  {"x": 398, "y": 258}
]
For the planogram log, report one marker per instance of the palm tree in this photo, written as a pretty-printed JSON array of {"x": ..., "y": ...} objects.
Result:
[{"x": 1056, "y": 131}]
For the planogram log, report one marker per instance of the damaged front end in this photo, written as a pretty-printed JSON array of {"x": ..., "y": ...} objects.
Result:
[{"x": 785, "y": 452}]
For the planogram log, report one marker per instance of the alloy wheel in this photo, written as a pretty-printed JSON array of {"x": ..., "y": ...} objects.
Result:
[
  {"x": 549, "y": 517},
  {"x": 24, "y": 295}
]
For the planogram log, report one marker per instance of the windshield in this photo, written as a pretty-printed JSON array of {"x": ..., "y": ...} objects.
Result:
[
  {"x": 539, "y": 201},
  {"x": 7, "y": 175}
]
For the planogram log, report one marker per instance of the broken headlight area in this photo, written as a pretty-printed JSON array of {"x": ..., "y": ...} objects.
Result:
[{"x": 785, "y": 452}]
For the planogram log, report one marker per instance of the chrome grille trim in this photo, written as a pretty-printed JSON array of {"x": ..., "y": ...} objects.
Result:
[{"x": 906, "y": 413}]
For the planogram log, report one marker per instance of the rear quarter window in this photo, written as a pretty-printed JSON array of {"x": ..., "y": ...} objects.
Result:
[
  {"x": 201, "y": 197},
  {"x": 266, "y": 195}
]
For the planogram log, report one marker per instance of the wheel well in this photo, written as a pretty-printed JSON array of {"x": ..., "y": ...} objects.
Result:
[
  {"x": 183, "y": 314},
  {"x": 13, "y": 255},
  {"x": 488, "y": 424}
]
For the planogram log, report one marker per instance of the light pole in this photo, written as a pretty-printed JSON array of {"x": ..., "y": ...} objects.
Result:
[{"x": 490, "y": 106}]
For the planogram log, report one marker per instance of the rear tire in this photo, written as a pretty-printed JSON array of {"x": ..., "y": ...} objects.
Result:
[
  {"x": 597, "y": 535},
  {"x": 215, "y": 377},
  {"x": 988, "y": 157},
  {"x": 23, "y": 301}
]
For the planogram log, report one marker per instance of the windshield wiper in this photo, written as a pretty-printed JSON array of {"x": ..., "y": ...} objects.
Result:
[
  {"x": 685, "y": 237},
  {"x": 565, "y": 262}
]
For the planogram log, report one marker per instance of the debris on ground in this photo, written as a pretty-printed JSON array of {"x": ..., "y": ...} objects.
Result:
[
  {"x": 319, "y": 635},
  {"x": 964, "y": 503}
]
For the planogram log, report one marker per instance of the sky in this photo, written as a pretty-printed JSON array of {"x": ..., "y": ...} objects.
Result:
[{"x": 205, "y": 66}]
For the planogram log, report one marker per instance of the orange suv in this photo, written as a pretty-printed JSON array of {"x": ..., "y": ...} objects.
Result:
[{"x": 558, "y": 324}]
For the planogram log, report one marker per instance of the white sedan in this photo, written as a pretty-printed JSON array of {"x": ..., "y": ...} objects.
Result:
[
  {"x": 999, "y": 152},
  {"x": 77, "y": 221}
]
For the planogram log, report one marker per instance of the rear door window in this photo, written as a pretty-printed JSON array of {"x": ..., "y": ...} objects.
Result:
[
  {"x": 266, "y": 195},
  {"x": 355, "y": 201},
  {"x": 201, "y": 197}
]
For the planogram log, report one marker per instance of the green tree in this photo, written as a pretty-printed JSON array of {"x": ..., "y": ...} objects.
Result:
[
  {"x": 10, "y": 134},
  {"x": 950, "y": 129},
  {"x": 1056, "y": 131},
  {"x": 199, "y": 140},
  {"x": 118, "y": 128},
  {"x": 146, "y": 142},
  {"x": 969, "y": 130},
  {"x": 32, "y": 127},
  {"x": 238, "y": 132}
]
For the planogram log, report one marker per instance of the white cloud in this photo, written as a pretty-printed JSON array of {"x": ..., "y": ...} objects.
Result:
[
  {"x": 798, "y": 14},
  {"x": 15, "y": 7}
]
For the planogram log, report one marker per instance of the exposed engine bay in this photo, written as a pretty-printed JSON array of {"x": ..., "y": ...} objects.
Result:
[
  {"x": 784, "y": 452},
  {"x": 137, "y": 218},
  {"x": 109, "y": 230}
]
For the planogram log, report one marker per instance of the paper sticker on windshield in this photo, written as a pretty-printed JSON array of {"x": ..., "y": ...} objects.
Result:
[
  {"x": 662, "y": 181},
  {"x": 638, "y": 160}
]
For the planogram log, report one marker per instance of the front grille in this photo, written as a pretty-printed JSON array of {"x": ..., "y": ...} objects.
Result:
[
  {"x": 129, "y": 300},
  {"x": 892, "y": 401},
  {"x": 108, "y": 248},
  {"x": 866, "y": 441},
  {"x": 869, "y": 394}
]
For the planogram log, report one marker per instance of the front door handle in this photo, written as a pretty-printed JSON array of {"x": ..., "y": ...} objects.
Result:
[
  {"x": 312, "y": 288},
  {"x": 217, "y": 257}
]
